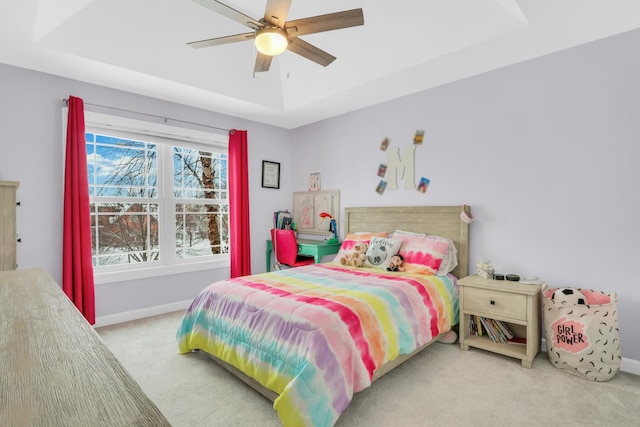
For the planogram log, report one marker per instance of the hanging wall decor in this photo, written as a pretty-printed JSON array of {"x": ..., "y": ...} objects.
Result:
[
  {"x": 401, "y": 165},
  {"x": 424, "y": 184},
  {"x": 270, "y": 174},
  {"x": 314, "y": 181}
]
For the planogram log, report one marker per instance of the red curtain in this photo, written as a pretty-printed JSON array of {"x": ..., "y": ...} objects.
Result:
[
  {"x": 240, "y": 244},
  {"x": 77, "y": 268}
]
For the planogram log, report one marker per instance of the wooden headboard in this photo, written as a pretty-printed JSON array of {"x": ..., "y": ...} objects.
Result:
[{"x": 441, "y": 221}]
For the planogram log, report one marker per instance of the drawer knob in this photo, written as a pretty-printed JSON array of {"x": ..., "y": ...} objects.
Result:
[{"x": 492, "y": 302}]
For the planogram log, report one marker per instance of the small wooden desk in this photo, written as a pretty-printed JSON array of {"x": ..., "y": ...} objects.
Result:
[
  {"x": 316, "y": 248},
  {"x": 55, "y": 369}
]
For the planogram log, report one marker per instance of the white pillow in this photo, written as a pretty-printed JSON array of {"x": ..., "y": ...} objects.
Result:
[{"x": 380, "y": 252}]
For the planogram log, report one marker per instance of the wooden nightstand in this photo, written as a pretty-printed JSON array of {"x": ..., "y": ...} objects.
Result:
[{"x": 516, "y": 304}]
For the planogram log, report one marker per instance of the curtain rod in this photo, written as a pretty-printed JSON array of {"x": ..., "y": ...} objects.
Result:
[{"x": 66, "y": 101}]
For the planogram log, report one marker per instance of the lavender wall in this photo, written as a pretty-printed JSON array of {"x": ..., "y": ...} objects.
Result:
[
  {"x": 32, "y": 153},
  {"x": 544, "y": 151}
]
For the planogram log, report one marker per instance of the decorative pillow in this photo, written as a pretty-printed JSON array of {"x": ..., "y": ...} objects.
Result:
[
  {"x": 423, "y": 254},
  {"x": 352, "y": 239},
  {"x": 380, "y": 252},
  {"x": 449, "y": 261}
]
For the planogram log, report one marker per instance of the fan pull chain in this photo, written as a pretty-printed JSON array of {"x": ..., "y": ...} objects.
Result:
[{"x": 287, "y": 54}]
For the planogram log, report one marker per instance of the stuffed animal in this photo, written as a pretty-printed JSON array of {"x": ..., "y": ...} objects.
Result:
[
  {"x": 357, "y": 257},
  {"x": 397, "y": 263},
  {"x": 360, "y": 255}
]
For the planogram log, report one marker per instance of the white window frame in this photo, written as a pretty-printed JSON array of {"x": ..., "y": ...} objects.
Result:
[{"x": 162, "y": 135}]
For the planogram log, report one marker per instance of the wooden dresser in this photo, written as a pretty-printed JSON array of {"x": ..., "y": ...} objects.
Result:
[
  {"x": 8, "y": 225},
  {"x": 54, "y": 368}
]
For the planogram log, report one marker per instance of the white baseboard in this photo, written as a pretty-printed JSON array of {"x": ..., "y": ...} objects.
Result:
[
  {"x": 626, "y": 365},
  {"x": 631, "y": 366},
  {"x": 127, "y": 316}
]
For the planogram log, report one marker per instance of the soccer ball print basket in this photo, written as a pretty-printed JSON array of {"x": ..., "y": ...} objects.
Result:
[{"x": 581, "y": 330}]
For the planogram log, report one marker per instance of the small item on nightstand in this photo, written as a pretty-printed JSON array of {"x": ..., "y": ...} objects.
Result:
[
  {"x": 513, "y": 277},
  {"x": 498, "y": 277},
  {"x": 531, "y": 281},
  {"x": 484, "y": 268}
]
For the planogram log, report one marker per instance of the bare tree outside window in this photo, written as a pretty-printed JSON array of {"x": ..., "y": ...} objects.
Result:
[
  {"x": 127, "y": 209},
  {"x": 201, "y": 175}
]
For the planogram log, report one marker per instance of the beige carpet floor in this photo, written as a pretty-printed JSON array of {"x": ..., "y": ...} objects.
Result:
[{"x": 442, "y": 386}]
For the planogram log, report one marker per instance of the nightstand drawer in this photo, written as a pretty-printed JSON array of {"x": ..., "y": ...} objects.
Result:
[{"x": 490, "y": 303}]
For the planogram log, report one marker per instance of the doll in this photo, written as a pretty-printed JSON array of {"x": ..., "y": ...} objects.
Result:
[{"x": 396, "y": 263}]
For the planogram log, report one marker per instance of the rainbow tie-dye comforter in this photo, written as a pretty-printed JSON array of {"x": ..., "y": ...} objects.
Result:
[{"x": 316, "y": 334}]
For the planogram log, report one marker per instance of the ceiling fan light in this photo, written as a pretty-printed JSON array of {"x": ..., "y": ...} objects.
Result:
[{"x": 271, "y": 41}]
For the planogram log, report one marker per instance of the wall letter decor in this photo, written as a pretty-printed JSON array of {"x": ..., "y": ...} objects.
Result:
[{"x": 402, "y": 167}]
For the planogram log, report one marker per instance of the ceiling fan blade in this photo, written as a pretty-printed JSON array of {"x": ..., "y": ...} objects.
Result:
[
  {"x": 230, "y": 12},
  {"x": 310, "y": 52},
  {"x": 263, "y": 62},
  {"x": 328, "y": 22},
  {"x": 221, "y": 40},
  {"x": 276, "y": 12}
]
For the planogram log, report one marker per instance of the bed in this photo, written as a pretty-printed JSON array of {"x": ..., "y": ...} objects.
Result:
[{"x": 309, "y": 338}]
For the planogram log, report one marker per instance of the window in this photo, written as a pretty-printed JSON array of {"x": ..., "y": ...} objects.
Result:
[{"x": 159, "y": 198}]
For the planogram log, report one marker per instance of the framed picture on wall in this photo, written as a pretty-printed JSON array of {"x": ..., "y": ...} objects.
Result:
[{"x": 270, "y": 174}]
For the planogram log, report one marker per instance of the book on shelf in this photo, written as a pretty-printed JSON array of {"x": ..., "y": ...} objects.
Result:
[
  {"x": 500, "y": 329},
  {"x": 502, "y": 338},
  {"x": 491, "y": 330},
  {"x": 497, "y": 330},
  {"x": 504, "y": 328},
  {"x": 282, "y": 220},
  {"x": 473, "y": 327},
  {"x": 486, "y": 328}
]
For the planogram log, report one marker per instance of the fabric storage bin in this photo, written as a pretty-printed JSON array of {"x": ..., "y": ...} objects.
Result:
[{"x": 581, "y": 331}]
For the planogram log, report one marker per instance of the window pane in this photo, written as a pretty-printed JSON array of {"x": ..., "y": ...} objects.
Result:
[
  {"x": 121, "y": 167},
  {"x": 126, "y": 233},
  {"x": 199, "y": 174},
  {"x": 201, "y": 229}
]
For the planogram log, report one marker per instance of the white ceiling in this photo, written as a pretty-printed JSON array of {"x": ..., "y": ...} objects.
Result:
[{"x": 405, "y": 46}]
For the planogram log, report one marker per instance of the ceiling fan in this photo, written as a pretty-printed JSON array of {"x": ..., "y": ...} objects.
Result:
[{"x": 273, "y": 34}]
